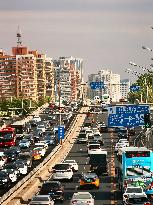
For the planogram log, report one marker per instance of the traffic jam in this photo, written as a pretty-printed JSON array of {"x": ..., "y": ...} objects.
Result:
[{"x": 24, "y": 146}]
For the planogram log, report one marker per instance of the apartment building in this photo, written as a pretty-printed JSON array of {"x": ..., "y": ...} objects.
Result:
[
  {"x": 41, "y": 75},
  {"x": 7, "y": 75}
]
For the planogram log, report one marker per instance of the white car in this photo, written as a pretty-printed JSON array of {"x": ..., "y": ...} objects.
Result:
[
  {"x": 89, "y": 133},
  {"x": 73, "y": 164},
  {"x": 123, "y": 141},
  {"x": 94, "y": 148},
  {"x": 133, "y": 190},
  {"x": 41, "y": 127},
  {"x": 36, "y": 118},
  {"x": 23, "y": 167},
  {"x": 121, "y": 145},
  {"x": 62, "y": 171},
  {"x": 41, "y": 144},
  {"x": 24, "y": 143},
  {"x": 82, "y": 198}
]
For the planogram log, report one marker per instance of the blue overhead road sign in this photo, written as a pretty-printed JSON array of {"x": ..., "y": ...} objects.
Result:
[
  {"x": 96, "y": 85},
  {"x": 127, "y": 115},
  {"x": 135, "y": 88}
]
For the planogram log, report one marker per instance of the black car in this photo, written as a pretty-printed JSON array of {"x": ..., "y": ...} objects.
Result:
[
  {"x": 16, "y": 149},
  {"x": 11, "y": 155},
  {"x": 131, "y": 131},
  {"x": 103, "y": 128},
  {"x": 13, "y": 167},
  {"x": 26, "y": 157},
  {"x": 53, "y": 188},
  {"x": 5, "y": 181}
]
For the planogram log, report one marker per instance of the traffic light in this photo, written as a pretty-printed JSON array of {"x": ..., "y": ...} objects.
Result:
[{"x": 147, "y": 121}]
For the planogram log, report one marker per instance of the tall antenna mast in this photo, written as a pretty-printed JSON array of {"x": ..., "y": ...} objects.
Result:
[{"x": 19, "y": 41}]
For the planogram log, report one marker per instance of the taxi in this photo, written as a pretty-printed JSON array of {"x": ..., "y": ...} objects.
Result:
[
  {"x": 89, "y": 180},
  {"x": 36, "y": 154}
]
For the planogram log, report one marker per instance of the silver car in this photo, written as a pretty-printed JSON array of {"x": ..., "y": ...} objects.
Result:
[{"x": 41, "y": 199}]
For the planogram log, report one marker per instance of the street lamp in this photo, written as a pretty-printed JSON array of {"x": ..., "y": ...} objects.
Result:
[{"x": 146, "y": 48}]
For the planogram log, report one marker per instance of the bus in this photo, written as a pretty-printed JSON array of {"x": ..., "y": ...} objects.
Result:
[
  {"x": 20, "y": 128},
  {"x": 7, "y": 137},
  {"x": 133, "y": 164}
]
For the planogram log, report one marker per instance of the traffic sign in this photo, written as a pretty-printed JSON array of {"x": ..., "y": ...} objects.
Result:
[
  {"x": 127, "y": 115},
  {"x": 134, "y": 88},
  {"x": 96, "y": 85},
  {"x": 61, "y": 132}
]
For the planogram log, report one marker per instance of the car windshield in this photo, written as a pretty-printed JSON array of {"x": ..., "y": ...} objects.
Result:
[
  {"x": 3, "y": 174},
  {"x": 94, "y": 147},
  {"x": 47, "y": 186},
  {"x": 82, "y": 135},
  {"x": 134, "y": 190},
  {"x": 62, "y": 166},
  {"x": 10, "y": 166},
  {"x": 82, "y": 196},
  {"x": 138, "y": 200},
  {"x": 37, "y": 198}
]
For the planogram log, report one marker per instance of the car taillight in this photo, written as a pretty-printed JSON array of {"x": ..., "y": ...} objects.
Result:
[
  {"x": 74, "y": 201},
  {"x": 88, "y": 202},
  {"x": 147, "y": 203}
]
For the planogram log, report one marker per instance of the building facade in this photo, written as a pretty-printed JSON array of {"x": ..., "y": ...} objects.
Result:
[{"x": 125, "y": 88}]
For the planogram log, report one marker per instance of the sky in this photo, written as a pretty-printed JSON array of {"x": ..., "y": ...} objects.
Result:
[{"x": 107, "y": 34}]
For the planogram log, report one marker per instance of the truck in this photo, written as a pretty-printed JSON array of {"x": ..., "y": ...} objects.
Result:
[{"x": 99, "y": 163}]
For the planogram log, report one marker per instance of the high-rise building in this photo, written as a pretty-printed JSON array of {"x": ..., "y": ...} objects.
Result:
[
  {"x": 68, "y": 73},
  {"x": 111, "y": 85},
  {"x": 124, "y": 88}
]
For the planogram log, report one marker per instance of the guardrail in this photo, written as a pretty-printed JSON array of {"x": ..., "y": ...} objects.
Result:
[{"x": 31, "y": 175}]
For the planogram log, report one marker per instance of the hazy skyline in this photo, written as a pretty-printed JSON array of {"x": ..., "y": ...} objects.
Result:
[{"x": 107, "y": 34}]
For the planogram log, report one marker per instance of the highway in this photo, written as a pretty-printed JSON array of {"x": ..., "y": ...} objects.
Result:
[{"x": 107, "y": 194}]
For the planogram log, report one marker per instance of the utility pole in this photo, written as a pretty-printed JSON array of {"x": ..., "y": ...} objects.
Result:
[{"x": 59, "y": 105}]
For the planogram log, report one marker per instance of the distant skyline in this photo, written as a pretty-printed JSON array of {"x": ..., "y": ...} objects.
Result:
[{"x": 107, "y": 34}]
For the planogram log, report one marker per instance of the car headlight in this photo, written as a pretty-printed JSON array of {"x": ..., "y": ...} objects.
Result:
[{"x": 4, "y": 180}]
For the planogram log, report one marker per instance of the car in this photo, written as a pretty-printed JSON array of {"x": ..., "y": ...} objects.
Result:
[
  {"x": 131, "y": 131},
  {"x": 94, "y": 148},
  {"x": 29, "y": 137},
  {"x": 16, "y": 149},
  {"x": 82, "y": 138},
  {"x": 73, "y": 164},
  {"x": 24, "y": 143},
  {"x": 5, "y": 180},
  {"x": 103, "y": 128},
  {"x": 49, "y": 140},
  {"x": 99, "y": 138},
  {"x": 41, "y": 144},
  {"x": 53, "y": 188},
  {"x": 23, "y": 167},
  {"x": 3, "y": 159},
  {"x": 121, "y": 145},
  {"x": 41, "y": 199},
  {"x": 123, "y": 133},
  {"x": 89, "y": 180},
  {"x": 41, "y": 151},
  {"x": 35, "y": 120},
  {"x": 122, "y": 141},
  {"x": 12, "y": 167},
  {"x": 135, "y": 199},
  {"x": 26, "y": 157},
  {"x": 92, "y": 142},
  {"x": 82, "y": 198},
  {"x": 63, "y": 171},
  {"x": 133, "y": 190},
  {"x": 89, "y": 134},
  {"x": 41, "y": 127}
]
